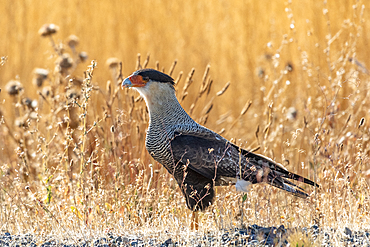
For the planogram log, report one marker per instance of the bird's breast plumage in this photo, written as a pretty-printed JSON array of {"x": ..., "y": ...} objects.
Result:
[{"x": 162, "y": 129}]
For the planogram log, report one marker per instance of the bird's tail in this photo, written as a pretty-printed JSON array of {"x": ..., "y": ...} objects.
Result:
[
  {"x": 279, "y": 178},
  {"x": 277, "y": 175},
  {"x": 289, "y": 187}
]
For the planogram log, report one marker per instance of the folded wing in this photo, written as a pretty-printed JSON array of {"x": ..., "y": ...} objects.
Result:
[{"x": 216, "y": 159}]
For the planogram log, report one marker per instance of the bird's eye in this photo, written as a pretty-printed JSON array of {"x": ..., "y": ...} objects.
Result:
[{"x": 146, "y": 79}]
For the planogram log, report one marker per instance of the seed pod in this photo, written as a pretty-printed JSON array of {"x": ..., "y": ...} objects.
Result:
[
  {"x": 292, "y": 113},
  {"x": 26, "y": 102},
  {"x": 112, "y": 62},
  {"x": 223, "y": 90},
  {"x": 65, "y": 61},
  {"x": 73, "y": 41},
  {"x": 39, "y": 75},
  {"x": 48, "y": 29},
  {"x": 83, "y": 56},
  {"x": 172, "y": 67},
  {"x": 146, "y": 60},
  {"x": 13, "y": 87},
  {"x": 246, "y": 107}
]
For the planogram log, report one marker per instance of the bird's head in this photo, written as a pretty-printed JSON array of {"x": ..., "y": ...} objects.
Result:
[
  {"x": 151, "y": 84},
  {"x": 144, "y": 77}
]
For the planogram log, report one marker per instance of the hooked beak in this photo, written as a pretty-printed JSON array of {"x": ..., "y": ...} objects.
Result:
[{"x": 126, "y": 83}]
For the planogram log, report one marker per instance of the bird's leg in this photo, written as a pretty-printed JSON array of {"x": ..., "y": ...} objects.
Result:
[
  {"x": 194, "y": 220},
  {"x": 242, "y": 211}
]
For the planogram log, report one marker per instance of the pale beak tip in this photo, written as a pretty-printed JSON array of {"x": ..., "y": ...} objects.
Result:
[{"x": 126, "y": 83}]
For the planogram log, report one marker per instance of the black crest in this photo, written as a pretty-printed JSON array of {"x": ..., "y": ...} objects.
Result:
[{"x": 154, "y": 75}]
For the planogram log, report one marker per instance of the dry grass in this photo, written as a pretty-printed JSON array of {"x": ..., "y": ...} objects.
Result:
[{"x": 76, "y": 161}]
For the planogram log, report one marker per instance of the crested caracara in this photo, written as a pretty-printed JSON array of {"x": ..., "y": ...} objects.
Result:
[{"x": 197, "y": 157}]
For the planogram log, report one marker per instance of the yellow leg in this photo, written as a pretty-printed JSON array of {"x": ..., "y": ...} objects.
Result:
[{"x": 194, "y": 221}]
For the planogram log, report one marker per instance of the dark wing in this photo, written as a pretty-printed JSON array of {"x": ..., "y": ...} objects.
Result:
[
  {"x": 195, "y": 167},
  {"x": 213, "y": 157},
  {"x": 207, "y": 154}
]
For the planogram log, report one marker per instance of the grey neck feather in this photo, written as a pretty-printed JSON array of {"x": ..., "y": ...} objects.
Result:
[
  {"x": 169, "y": 110},
  {"x": 165, "y": 110}
]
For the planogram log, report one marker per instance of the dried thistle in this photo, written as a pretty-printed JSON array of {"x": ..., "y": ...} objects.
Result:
[
  {"x": 26, "y": 102},
  {"x": 83, "y": 56},
  {"x": 31, "y": 104},
  {"x": 13, "y": 87},
  {"x": 47, "y": 91},
  {"x": 112, "y": 62},
  {"x": 48, "y": 29},
  {"x": 64, "y": 62},
  {"x": 73, "y": 41},
  {"x": 292, "y": 113},
  {"x": 39, "y": 75}
]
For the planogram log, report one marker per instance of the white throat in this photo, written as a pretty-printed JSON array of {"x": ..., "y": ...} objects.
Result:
[{"x": 162, "y": 103}]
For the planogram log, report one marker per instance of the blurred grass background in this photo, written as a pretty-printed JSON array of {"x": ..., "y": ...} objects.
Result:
[
  {"x": 302, "y": 64},
  {"x": 232, "y": 36},
  {"x": 251, "y": 44}
]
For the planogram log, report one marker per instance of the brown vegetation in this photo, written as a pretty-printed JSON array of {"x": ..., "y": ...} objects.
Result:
[{"x": 72, "y": 153}]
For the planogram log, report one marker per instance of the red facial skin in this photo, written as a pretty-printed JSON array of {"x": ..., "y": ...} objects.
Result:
[{"x": 137, "y": 81}]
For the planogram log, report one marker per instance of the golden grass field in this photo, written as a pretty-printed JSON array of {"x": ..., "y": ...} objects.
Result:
[{"x": 72, "y": 151}]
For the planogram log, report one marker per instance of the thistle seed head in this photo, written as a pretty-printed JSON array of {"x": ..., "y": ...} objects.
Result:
[
  {"x": 48, "y": 29},
  {"x": 39, "y": 75},
  {"x": 73, "y": 41},
  {"x": 112, "y": 62},
  {"x": 13, "y": 87},
  {"x": 83, "y": 56},
  {"x": 63, "y": 63}
]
